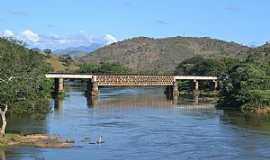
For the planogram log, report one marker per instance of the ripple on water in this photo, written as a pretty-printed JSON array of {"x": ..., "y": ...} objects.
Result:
[{"x": 140, "y": 124}]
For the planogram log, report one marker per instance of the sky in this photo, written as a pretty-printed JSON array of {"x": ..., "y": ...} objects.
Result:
[{"x": 65, "y": 23}]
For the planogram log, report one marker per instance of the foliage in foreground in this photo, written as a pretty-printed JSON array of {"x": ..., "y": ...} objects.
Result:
[{"x": 23, "y": 86}]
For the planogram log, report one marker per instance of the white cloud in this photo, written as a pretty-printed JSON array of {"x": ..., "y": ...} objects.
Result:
[
  {"x": 7, "y": 33},
  {"x": 29, "y": 35},
  {"x": 110, "y": 39},
  {"x": 63, "y": 41},
  {"x": 53, "y": 41}
]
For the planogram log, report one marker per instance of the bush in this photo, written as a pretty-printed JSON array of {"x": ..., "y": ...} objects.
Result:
[{"x": 103, "y": 68}]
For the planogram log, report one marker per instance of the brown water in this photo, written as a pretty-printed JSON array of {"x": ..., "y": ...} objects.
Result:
[{"x": 143, "y": 124}]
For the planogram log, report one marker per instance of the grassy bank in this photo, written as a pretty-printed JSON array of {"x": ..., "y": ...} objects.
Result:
[{"x": 34, "y": 140}]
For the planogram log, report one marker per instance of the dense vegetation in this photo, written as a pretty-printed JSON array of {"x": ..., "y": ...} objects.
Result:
[
  {"x": 247, "y": 84},
  {"x": 244, "y": 83},
  {"x": 201, "y": 66},
  {"x": 23, "y": 86},
  {"x": 103, "y": 68}
]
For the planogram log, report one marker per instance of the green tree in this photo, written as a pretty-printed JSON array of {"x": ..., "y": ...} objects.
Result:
[
  {"x": 112, "y": 68},
  {"x": 103, "y": 68},
  {"x": 89, "y": 68},
  {"x": 201, "y": 66},
  {"x": 245, "y": 86},
  {"x": 22, "y": 80}
]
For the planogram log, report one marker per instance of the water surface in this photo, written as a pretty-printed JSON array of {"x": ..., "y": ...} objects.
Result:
[{"x": 142, "y": 124}]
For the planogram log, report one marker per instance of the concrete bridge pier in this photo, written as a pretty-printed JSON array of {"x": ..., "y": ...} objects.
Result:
[
  {"x": 58, "y": 85},
  {"x": 93, "y": 87},
  {"x": 169, "y": 92},
  {"x": 195, "y": 98},
  {"x": 215, "y": 85},
  {"x": 92, "y": 101},
  {"x": 58, "y": 104},
  {"x": 172, "y": 92},
  {"x": 195, "y": 86},
  {"x": 175, "y": 89}
]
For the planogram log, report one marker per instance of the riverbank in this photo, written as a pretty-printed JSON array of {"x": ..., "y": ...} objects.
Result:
[
  {"x": 35, "y": 140},
  {"x": 259, "y": 110},
  {"x": 201, "y": 93}
]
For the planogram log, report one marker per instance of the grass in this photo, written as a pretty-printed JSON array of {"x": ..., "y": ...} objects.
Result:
[
  {"x": 9, "y": 138},
  {"x": 34, "y": 140},
  {"x": 56, "y": 64}
]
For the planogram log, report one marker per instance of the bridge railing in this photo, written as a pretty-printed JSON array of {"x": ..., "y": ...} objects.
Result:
[
  {"x": 89, "y": 76},
  {"x": 139, "y": 74},
  {"x": 70, "y": 76}
]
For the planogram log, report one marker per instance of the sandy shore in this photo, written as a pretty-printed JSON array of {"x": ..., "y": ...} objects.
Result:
[{"x": 35, "y": 140}]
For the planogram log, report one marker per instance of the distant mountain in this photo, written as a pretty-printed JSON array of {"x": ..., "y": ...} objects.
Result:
[
  {"x": 78, "y": 51},
  {"x": 148, "y": 54},
  {"x": 266, "y": 45}
]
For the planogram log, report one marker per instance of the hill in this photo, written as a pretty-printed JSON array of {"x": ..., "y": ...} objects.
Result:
[
  {"x": 78, "y": 51},
  {"x": 62, "y": 63},
  {"x": 163, "y": 55}
]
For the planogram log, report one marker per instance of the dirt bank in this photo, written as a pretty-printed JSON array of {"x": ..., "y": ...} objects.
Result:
[{"x": 35, "y": 140}]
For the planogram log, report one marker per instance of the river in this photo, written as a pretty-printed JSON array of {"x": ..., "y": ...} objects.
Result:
[{"x": 142, "y": 124}]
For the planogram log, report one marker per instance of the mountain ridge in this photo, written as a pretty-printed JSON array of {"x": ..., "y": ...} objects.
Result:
[
  {"x": 79, "y": 50},
  {"x": 162, "y": 54}
]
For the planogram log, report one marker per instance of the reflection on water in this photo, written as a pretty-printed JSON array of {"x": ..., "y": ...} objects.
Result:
[
  {"x": 26, "y": 125},
  {"x": 142, "y": 124},
  {"x": 249, "y": 121}
]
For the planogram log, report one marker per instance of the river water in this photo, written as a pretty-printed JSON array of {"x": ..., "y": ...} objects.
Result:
[{"x": 142, "y": 124}]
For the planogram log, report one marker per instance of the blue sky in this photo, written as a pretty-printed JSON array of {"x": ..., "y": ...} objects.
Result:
[{"x": 105, "y": 21}]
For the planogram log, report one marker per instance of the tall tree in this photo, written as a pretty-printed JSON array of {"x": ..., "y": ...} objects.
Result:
[{"x": 22, "y": 80}]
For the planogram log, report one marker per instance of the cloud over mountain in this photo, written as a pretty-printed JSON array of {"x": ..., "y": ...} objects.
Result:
[
  {"x": 110, "y": 39},
  {"x": 30, "y": 36},
  {"x": 7, "y": 33},
  {"x": 33, "y": 39}
]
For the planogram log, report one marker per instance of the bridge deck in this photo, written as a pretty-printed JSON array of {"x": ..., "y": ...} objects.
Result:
[
  {"x": 134, "y": 80},
  {"x": 89, "y": 76},
  {"x": 195, "y": 78},
  {"x": 130, "y": 80},
  {"x": 69, "y": 76}
]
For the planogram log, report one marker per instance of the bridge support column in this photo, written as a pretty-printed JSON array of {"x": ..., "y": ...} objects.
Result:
[
  {"x": 168, "y": 92},
  {"x": 172, "y": 92},
  {"x": 93, "y": 86},
  {"x": 175, "y": 89},
  {"x": 195, "y": 85},
  {"x": 58, "y": 104},
  {"x": 215, "y": 85},
  {"x": 195, "y": 98},
  {"x": 92, "y": 101},
  {"x": 58, "y": 85}
]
